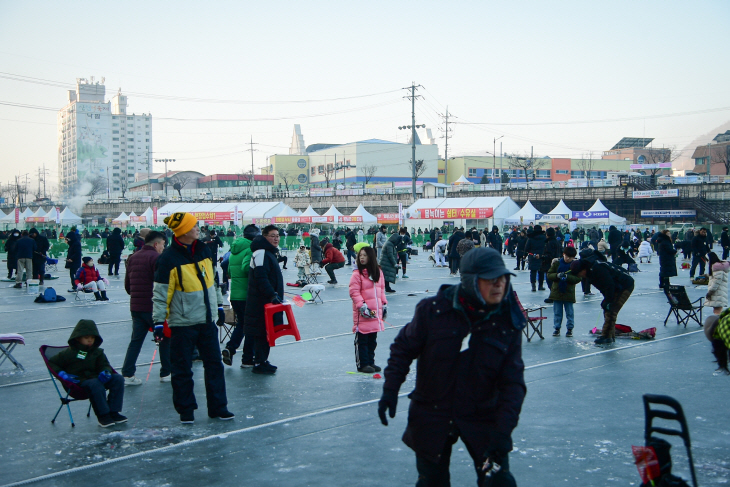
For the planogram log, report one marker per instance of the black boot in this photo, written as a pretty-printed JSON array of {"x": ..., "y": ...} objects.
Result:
[
  {"x": 98, "y": 296},
  {"x": 103, "y": 296},
  {"x": 533, "y": 287}
]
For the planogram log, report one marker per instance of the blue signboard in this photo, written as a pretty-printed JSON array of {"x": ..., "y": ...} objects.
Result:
[{"x": 590, "y": 214}]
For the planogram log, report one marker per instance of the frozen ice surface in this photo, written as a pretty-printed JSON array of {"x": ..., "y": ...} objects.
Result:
[{"x": 314, "y": 424}]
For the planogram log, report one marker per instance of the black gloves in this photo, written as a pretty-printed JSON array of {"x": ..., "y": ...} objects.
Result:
[
  {"x": 221, "y": 316},
  {"x": 388, "y": 401},
  {"x": 385, "y": 311},
  {"x": 276, "y": 300}
]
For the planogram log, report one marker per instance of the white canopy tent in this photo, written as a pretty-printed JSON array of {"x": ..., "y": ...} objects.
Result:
[
  {"x": 131, "y": 214},
  {"x": 8, "y": 221},
  {"x": 502, "y": 207},
  {"x": 40, "y": 212},
  {"x": 560, "y": 215},
  {"x": 333, "y": 212},
  {"x": 287, "y": 211},
  {"x": 309, "y": 212},
  {"x": 121, "y": 218},
  {"x": 367, "y": 217},
  {"x": 612, "y": 219},
  {"x": 149, "y": 217},
  {"x": 247, "y": 212},
  {"x": 69, "y": 218},
  {"x": 25, "y": 213},
  {"x": 462, "y": 180},
  {"x": 525, "y": 216}
]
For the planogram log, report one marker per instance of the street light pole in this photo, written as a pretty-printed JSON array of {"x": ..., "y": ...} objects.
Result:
[{"x": 494, "y": 158}]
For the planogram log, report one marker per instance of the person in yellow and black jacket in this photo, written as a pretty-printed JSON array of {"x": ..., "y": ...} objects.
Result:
[{"x": 185, "y": 294}]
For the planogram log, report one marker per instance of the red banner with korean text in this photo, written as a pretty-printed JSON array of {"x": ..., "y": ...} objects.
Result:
[
  {"x": 388, "y": 218},
  {"x": 138, "y": 219},
  {"x": 36, "y": 219},
  {"x": 304, "y": 219},
  {"x": 213, "y": 215},
  {"x": 154, "y": 215},
  {"x": 350, "y": 219},
  {"x": 454, "y": 213}
]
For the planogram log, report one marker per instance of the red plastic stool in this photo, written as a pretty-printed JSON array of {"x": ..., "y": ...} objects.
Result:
[{"x": 289, "y": 328}]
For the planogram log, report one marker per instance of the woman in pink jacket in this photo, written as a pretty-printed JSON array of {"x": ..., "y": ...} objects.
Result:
[{"x": 369, "y": 308}]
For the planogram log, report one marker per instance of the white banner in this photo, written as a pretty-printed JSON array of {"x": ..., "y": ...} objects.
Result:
[
  {"x": 668, "y": 213},
  {"x": 656, "y": 193}
]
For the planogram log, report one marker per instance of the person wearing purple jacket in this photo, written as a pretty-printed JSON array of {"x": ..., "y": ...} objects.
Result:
[{"x": 138, "y": 282}]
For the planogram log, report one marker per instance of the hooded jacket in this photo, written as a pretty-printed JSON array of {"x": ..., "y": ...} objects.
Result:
[
  {"x": 239, "y": 266},
  {"x": 265, "y": 283},
  {"x": 314, "y": 248},
  {"x": 86, "y": 274},
  {"x": 614, "y": 237},
  {"x": 667, "y": 256},
  {"x": 94, "y": 361},
  {"x": 535, "y": 247},
  {"x": 699, "y": 245},
  {"x": 380, "y": 239},
  {"x": 551, "y": 250},
  {"x": 645, "y": 249},
  {"x": 301, "y": 258},
  {"x": 25, "y": 247},
  {"x": 139, "y": 281},
  {"x": 572, "y": 280},
  {"x": 332, "y": 255},
  {"x": 495, "y": 239},
  {"x": 74, "y": 251},
  {"x": 42, "y": 245},
  {"x": 480, "y": 390},
  {"x": 10, "y": 247},
  {"x": 389, "y": 258},
  {"x": 454, "y": 240},
  {"x": 115, "y": 242},
  {"x": 717, "y": 287},
  {"x": 364, "y": 291},
  {"x": 185, "y": 292},
  {"x": 609, "y": 281}
]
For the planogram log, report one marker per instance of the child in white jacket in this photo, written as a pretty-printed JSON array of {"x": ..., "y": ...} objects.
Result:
[
  {"x": 301, "y": 261},
  {"x": 645, "y": 251}
]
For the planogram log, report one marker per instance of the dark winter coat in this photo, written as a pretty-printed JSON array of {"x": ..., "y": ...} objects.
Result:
[
  {"x": 615, "y": 238},
  {"x": 115, "y": 243},
  {"x": 42, "y": 245},
  {"x": 555, "y": 294},
  {"x": 74, "y": 251},
  {"x": 724, "y": 239},
  {"x": 609, "y": 281},
  {"x": 454, "y": 240},
  {"x": 350, "y": 240},
  {"x": 389, "y": 258},
  {"x": 140, "y": 278},
  {"x": 483, "y": 403},
  {"x": 699, "y": 245},
  {"x": 551, "y": 250},
  {"x": 667, "y": 256},
  {"x": 25, "y": 248},
  {"x": 95, "y": 360},
  {"x": 315, "y": 248},
  {"x": 520, "y": 242},
  {"x": 536, "y": 246},
  {"x": 214, "y": 244},
  {"x": 265, "y": 284},
  {"x": 10, "y": 244},
  {"x": 495, "y": 240}
]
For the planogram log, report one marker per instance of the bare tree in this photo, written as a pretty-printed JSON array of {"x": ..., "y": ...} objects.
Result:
[
  {"x": 420, "y": 167},
  {"x": 97, "y": 185},
  {"x": 369, "y": 171},
  {"x": 124, "y": 185},
  {"x": 720, "y": 156},
  {"x": 586, "y": 164},
  {"x": 329, "y": 174},
  {"x": 288, "y": 178},
  {"x": 660, "y": 156},
  {"x": 248, "y": 176},
  {"x": 178, "y": 183},
  {"x": 528, "y": 164}
]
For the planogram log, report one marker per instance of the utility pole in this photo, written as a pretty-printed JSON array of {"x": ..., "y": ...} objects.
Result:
[
  {"x": 45, "y": 171},
  {"x": 251, "y": 179},
  {"x": 413, "y": 128},
  {"x": 494, "y": 158},
  {"x": 108, "y": 195},
  {"x": 446, "y": 137}
]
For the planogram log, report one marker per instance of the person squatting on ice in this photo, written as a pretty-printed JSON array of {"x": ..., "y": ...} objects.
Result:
[
  {"x": 185, "y": 294},
  {"x": 88, "y": 279},
  {"x": 470, "y": 374},
  {"x": 719, "y": 343},
  {"x": 369, "y": 308},
  {"x": 84, "y": 363},
  {"x": 239, "y": 268},
  {"x": 139, "y": 281}
]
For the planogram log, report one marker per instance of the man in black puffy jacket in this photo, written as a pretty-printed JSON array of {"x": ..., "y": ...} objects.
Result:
[
  {"x": 39, "y": 256},
  {"x": 115, "y": 246},
  {"x": 265, "y": 286},
  {"x": 615, "y": 239},
  {"x": 470, "y": 374},
  {"x": 700, "y": 249}
]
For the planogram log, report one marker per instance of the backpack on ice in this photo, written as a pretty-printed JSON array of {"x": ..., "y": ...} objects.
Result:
[{"x": 49, "y": 296}]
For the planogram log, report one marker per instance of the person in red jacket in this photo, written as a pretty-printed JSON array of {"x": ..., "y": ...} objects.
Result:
[
  {"x": 333, "y": 259},
  {"x": 138, "y": 282},
  {"x": 87, "y": 278}
]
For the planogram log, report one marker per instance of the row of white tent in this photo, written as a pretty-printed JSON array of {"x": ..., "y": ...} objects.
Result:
[
  {"x": 597, "y": 214},
  {"x": 40, "y": 216}
]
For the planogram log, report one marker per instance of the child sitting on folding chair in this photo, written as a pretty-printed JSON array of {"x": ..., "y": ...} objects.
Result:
[
  {"x": 301, "y": 261},
  {"x": 84, "y": 363},
  {"x": 88, "y": 279}
]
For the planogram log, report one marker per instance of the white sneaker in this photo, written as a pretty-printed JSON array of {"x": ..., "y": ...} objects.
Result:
[
  {"x": 166, "y": 378},
  {"x": 132, "y": 381}
]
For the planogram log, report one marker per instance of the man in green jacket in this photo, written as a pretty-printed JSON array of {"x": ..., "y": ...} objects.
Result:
[
  {"x": 84, "y": 363},
  {"x": 562, "y": 291},
  {"x": 239, "y": 264}
]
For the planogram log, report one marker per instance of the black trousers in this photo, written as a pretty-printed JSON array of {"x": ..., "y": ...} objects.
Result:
[
  {"x": 585, "y": 284},
  {"x": 39, "y": 268},
  {"x": 697, "y": 259},
  {"x": 330, "y": 268},
  {"x": 72, "y": 273},
  {"x": 537, "y": 276},
  {"x": 725, "y": 252},
  {"x": 114, "y": 260},
  {"x": 432, "y": 474},
  {"x": 365, "y": 345},
  {"x": 520, "y": 260},
  {"x": 720, "y": 351},
  {"x": 141, "y": 324},
  {"x": 403, "y": 259},
  {"x": 261, "y": 349},
  {"x": 282, "y": 258},
  {"x": 184, "y": 339},
  {"x": 102, "y": 404},
  {"x": 454, "y": 261},
  {"x": 238, "y": 335}
]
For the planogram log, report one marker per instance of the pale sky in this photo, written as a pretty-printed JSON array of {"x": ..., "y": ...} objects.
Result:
[{"x": 521, "y": 68}]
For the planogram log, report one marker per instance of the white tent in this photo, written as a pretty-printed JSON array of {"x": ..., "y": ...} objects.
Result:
[
  {"x": 149, "y": 215},
  {"x": 333, "y": 212},
  {"x": 40, "y": 212},
  {"x": 9, "y": 220},
  {"x": 462, "y": 180},
  {"x": 299, "y": 212},
  {"x": 502, "y": 207},
  {"x": 309, "y": 212},
  {"x": 2, "y": 214},
  {"x": 51, "y": 215},
  {"x": 560, "y": 215},
  {"x": 526, "y": 216},
  {"x": 367, "y": 218},
  {"x": 69, "y": 218},
  {"x": 612, "y": 219},
  {"x": 121, "y": 218},
  {"x": 287, "y": 211},
  {"x": 131, "y": 214},
  {"x": 26, "y": 213},
  {"x": 247, "y": 212}
]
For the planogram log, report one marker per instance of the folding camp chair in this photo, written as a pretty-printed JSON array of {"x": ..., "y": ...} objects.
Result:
[
  {"x": 310, "y": 275},
  {"x": 226, "y": 328},
  {"x": 676, "y": 415},
  {"x": 684, "y": 309},
  {"x": 51, "y": 264},
  {"x": 534, "y": 322},
  {"x": 84, "y": 295},
  {"x": 8, "y": 342},
  {"x": 315, "y": 290},
  {"x": 74, "y": 392}
]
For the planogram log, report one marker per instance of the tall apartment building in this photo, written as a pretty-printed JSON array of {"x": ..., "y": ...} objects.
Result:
[{"x": 99, "y": 141}]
